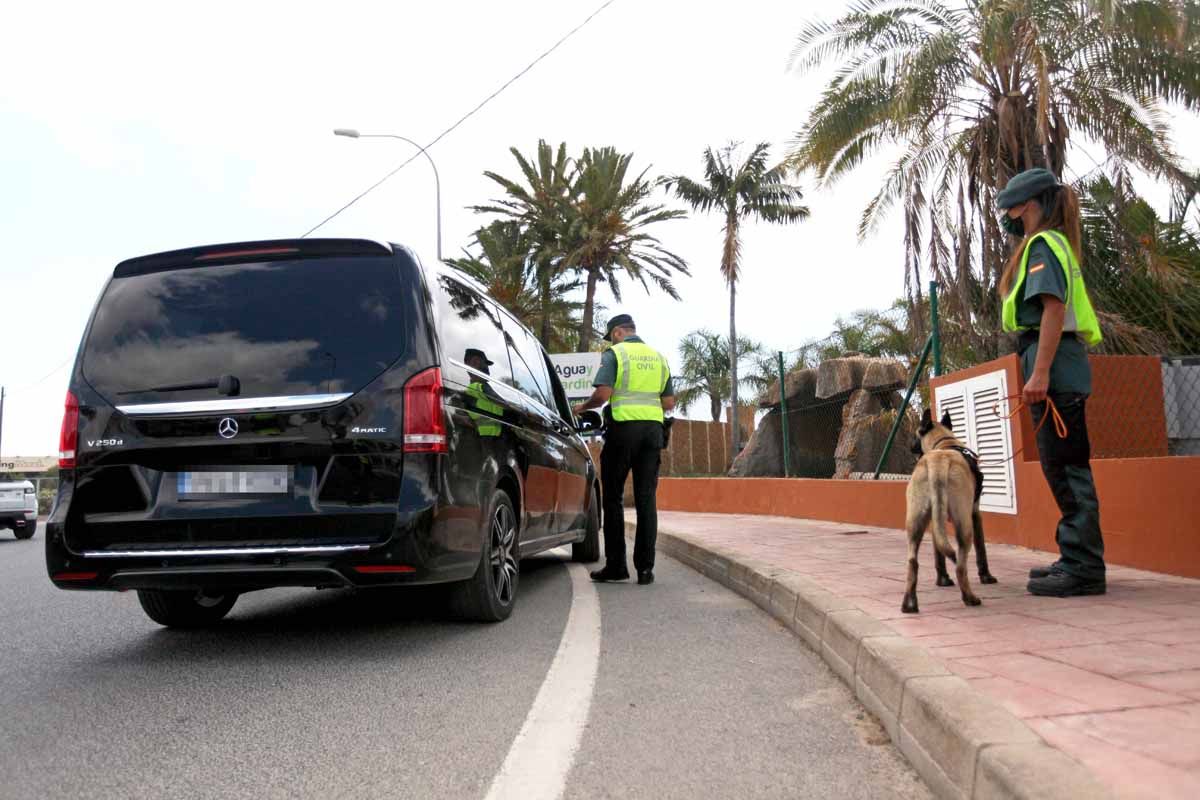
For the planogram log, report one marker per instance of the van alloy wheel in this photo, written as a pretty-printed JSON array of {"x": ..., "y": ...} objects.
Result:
[{"x": 504, "y": 557}]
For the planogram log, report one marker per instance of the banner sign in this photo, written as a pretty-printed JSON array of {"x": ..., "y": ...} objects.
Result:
[
  {"x": 25, "y": 465},
  {"x": 576, "y": 371}
]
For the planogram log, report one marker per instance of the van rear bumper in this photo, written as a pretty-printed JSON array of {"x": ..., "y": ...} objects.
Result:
[
  {"x": 235, "y": 577},
  {"x": 406, "y": 558}
]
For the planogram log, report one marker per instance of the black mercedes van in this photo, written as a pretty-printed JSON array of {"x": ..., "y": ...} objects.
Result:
[{"x": 311, "y": 412}]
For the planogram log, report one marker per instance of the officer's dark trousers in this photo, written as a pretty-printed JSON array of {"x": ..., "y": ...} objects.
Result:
[
  {"x": 635, "y": 446},
  {"x": 1065, "y": 463}
]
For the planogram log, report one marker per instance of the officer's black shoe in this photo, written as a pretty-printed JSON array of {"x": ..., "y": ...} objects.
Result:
[
  {"x": 1046, "y": 571},
  {"x": 1060, "y": 584},
  {"x": 645, "y": 577},
  {"x": 606, "y": 574}
]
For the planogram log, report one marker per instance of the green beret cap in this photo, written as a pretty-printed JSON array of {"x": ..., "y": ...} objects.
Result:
[{"x": 1025, "y": 186}]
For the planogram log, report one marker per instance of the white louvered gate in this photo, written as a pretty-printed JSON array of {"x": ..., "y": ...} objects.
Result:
[{"x": 970, "y": 404}]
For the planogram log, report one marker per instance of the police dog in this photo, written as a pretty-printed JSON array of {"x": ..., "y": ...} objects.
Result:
[{"x": 944, "y": 484}]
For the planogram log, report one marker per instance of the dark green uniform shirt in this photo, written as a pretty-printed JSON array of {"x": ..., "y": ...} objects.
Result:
[
  {"x": 606, "y": 375},
  {"x": 1070, "y": 371}
]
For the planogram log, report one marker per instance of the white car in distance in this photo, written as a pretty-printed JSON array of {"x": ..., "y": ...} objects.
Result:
[{"x": 19, "y": 508}]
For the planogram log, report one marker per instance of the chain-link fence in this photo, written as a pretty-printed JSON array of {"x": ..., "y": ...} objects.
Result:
[{"x": 1144, "y": 406}]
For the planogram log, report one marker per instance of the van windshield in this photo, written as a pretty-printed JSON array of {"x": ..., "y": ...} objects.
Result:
[{"x": 299, "y": 327}]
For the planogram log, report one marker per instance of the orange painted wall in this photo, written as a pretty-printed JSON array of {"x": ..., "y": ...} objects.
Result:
[
  {"x": 1126, "y": 415},
  {"x": 861, "y": 502}
]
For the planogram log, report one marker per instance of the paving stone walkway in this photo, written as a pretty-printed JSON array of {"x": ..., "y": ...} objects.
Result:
[{"x": 1113, "y": 681}]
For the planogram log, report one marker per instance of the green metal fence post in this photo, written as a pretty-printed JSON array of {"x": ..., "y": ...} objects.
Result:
[
  {"x": 787, "y": 442},
  {"x": 912, "y": 385},
  {"x": 936, "y": 332}
]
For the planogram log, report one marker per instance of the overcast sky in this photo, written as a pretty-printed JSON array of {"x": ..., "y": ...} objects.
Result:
[{"x": 134, "y": 128}]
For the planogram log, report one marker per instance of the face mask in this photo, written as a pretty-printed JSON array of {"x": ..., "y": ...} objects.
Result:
[{"x": 1014, "y": 226}]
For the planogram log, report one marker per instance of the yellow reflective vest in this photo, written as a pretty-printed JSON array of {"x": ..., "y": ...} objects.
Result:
[
  {"x": 642, "y": 376},
  {"x": 1080, "y": 318},
  {"x": 485, "y": 425}
]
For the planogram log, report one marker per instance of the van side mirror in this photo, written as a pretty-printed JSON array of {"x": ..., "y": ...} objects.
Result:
[{"x": 588, "y": 421}]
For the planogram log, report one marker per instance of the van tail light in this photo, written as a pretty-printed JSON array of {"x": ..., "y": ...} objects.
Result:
[
  {"x": 424, "y": 419},
  {"x": 75, "y": 576},
  {"x": 68, "y": 435}
]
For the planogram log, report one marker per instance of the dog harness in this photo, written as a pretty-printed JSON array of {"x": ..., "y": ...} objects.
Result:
[{"x": 973, "y": 462}]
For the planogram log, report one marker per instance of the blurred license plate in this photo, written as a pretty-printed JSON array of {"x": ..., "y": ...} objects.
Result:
[{"x": 235, "y": 483}]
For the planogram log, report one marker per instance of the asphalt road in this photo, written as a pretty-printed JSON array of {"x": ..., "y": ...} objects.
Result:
[{"x": 301, "y": 693}]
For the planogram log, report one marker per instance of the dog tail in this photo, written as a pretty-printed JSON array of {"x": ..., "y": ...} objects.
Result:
[{"x": 939, "y": 486}]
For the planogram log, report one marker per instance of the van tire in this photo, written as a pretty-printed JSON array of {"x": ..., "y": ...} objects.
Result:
[
  {"x": 489, "y": 596},
  {"x": 587, "y": 551},
  {"x": 185, "y": 609},
  {"x": 27, "y": 532}
]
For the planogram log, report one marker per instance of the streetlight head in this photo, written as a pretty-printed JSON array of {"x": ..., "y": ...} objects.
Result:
[{"x": 351, "y": 132}]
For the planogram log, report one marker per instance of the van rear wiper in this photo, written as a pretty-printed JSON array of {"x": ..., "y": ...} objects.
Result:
[{"x": 227, "y": 385}]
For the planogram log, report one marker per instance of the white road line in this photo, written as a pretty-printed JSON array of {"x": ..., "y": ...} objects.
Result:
[{"x": 543, "y": 752}]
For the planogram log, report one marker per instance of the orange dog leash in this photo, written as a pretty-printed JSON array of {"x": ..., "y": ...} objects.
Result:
[{"x": 1060, "y": 426}]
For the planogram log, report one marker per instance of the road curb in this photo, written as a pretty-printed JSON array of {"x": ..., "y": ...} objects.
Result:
[{"x": 963, "y": 744}]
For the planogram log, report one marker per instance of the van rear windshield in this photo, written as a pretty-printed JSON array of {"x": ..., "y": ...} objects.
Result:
[{"x": 306, "y": 326}]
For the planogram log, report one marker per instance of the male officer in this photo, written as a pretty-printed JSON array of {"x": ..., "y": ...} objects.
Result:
[{"x": 637, "y": 380}]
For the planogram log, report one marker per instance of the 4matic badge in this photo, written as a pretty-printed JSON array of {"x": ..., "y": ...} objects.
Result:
[{"x": 357, "y": 429}]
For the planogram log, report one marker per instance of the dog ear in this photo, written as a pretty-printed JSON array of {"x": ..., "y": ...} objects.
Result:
[
  {"x": 947, "y": 423},
  {"x": 926, "y": 418}
]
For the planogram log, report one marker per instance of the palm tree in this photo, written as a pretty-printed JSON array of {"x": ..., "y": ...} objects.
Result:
[
  {"x": 580, "y": 216},
  {"x": 538, "y": 208},
  {"x": 1143, "y": 271},
  {"x": 975, "y": 92},
  {"x": 503, "y": 267},
  {"x": 738, "y": 190},
  {"x": 606, "y": 232},
  {"x": 705, "y": 369}
]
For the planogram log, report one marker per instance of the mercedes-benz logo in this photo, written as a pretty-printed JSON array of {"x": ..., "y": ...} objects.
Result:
[{"x": 228, "y": 428}]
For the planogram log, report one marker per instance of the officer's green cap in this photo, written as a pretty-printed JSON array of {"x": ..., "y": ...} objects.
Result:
[
  {"x": 474, "y": 353},
  {"x": 619, "y": 321},
  {"x": 1025, "y": 186}
]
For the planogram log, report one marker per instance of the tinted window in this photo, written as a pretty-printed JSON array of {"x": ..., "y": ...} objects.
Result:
[
  {"x": 469, "y": 322},
  {"x": 560, "y": 395},
  {"x": 308, "y": 326},
  {"x": 529, "y": 364}
]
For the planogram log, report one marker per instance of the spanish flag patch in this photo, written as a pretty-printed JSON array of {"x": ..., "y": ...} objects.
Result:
[{"x": 1036, "y": 267}]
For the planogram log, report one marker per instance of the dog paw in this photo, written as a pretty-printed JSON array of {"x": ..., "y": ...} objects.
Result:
[
  {"x": 909, "y": 606},
  {"x": 945, "y": 580},
  {"x": 987, "y": 578},
  {"x": 972, "y": 600}
]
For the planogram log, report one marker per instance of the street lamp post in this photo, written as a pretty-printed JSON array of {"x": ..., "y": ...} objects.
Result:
[{"x": 354, "y": 134}]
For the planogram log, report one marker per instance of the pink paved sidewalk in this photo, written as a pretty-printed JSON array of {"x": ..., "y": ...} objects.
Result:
[{"x": 1113, "y": 681}]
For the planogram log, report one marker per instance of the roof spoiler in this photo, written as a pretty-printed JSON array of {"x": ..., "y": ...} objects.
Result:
[{"x": 241, "y": 252}]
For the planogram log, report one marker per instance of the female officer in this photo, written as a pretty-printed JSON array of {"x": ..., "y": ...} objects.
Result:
[{"x": 1044, "y": 299}]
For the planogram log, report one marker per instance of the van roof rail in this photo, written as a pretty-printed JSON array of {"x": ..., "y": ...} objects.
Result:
[{"x": 240, "y": 252}]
